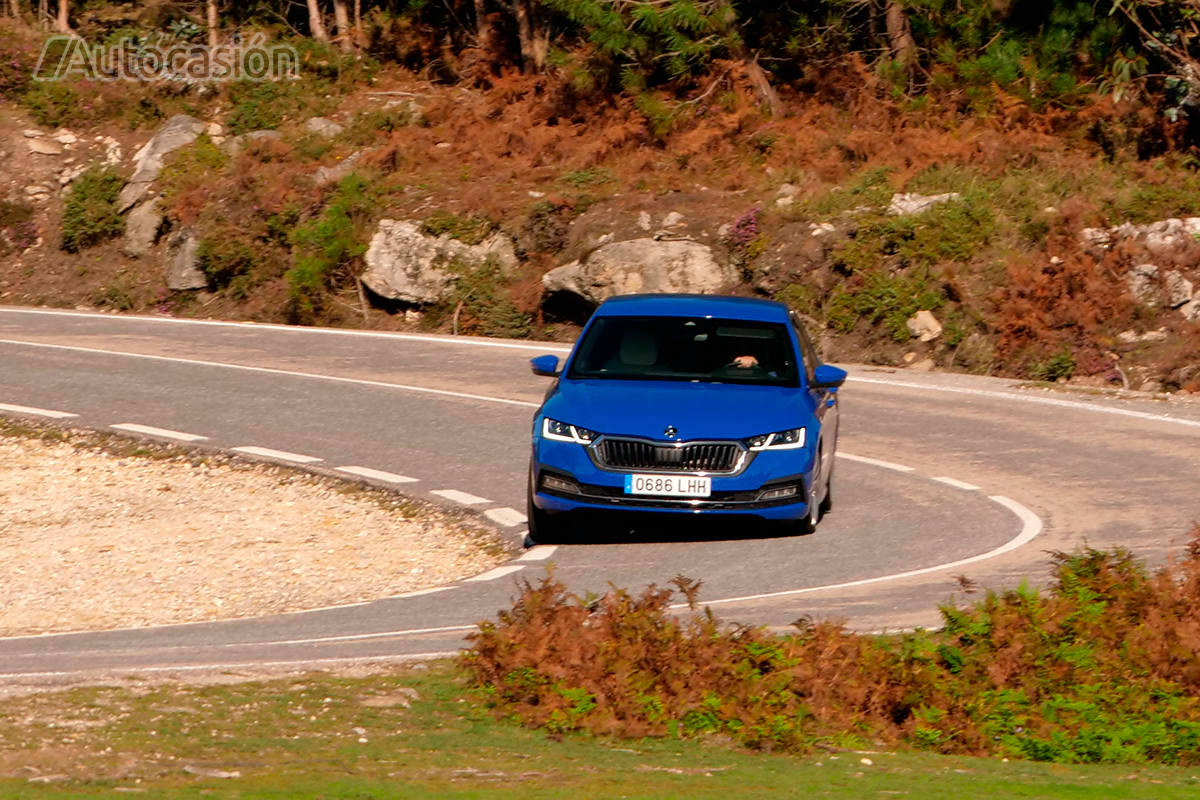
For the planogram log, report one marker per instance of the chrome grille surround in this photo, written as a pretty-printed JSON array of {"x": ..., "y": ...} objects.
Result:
[{"x": 626, "y": 454}]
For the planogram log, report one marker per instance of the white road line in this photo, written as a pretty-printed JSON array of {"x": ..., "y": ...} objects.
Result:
[
  {"x": 1029, "y": 398},
  {"x": 498, "y": 572},
  {"x": 508, "y": 517},
  {"x": 271, "y": 371},
  {"x": 377, "y": 475},
  {"x": 970, "y": 487},
  {"x": 165, "y": 433},
  {"x": 875, "y": 462},
  {"x": 539, "y": 553},
  {"x": 226, "y": 666},
  {"x": 460, "y": 497},
  {"x": 37, "y": 412},
  {"x": 1031, "y": 526},
  {"x": 355, "y": 637},
  {"x": 282, "y": 455},
  {"x": 469, "y": 340},
  {"x": 419, "y": 593}
]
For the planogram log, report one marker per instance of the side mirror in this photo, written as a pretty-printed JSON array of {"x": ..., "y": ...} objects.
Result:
[
  {"x": 545, "y": 365},
  {"x": 828, "y": 376}
]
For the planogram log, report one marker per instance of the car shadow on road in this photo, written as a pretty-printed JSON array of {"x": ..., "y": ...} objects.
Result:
[{"x": 631, "y": 527}]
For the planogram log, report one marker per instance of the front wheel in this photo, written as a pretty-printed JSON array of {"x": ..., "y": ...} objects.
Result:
[{"x": 543, "y": 528}]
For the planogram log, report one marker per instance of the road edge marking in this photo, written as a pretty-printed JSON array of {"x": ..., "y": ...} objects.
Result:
[
  {"x": 281, "y": 455},
  {"x": 37, "y": 412},
  {"x": 166, "y": 433}
]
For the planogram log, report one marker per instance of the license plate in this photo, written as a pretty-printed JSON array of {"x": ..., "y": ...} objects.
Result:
[{"x": 668, "y": 485}]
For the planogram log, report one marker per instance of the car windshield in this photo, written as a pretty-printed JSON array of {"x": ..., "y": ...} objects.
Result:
[{"x": 687, "y": 349}]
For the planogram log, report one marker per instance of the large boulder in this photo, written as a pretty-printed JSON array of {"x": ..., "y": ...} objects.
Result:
[
  {"x": 640, "y": 265},
  {"x": 142, "y": 228},
  {"x": 183, "y": 262},
  {"x": 179, "y": 131},
  {"x": 413, "y": 267}
]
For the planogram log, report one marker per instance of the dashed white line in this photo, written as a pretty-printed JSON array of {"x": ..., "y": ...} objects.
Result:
[
  {"x": 498, "y": 572},
  {"x": 419, "y": 593},
  {"x": 460, "y": 497},
  {"x": 969, "y": 487},
  {"x": 165, "y": 433},
  {"x": 37, "y": 412},
  {"x": 1031, "y": 526},
  {"x": 377, "y": 475},
  {"x": 875, "y": 462},
  {"x": 281, "y": 455},
  {"x": 539, "y": 553},
  {"x": 508, "y": 517}
]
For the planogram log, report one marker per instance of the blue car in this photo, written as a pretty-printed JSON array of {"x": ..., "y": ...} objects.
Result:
[{"x": 683, "y": 405}]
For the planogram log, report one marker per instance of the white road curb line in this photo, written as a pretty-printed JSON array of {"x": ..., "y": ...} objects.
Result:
[
  {"x": 271, "y": 371},
  {"x": 282, "y": 455},
  {"x": 508, "y": 517},
  {"x": 957, "y": 484},
  {"x": 498, "y": 572},
  {"x": 460, "y": 497},
  {"x": 1031, "y": 526},
  {"x": 165, "y": 433},
  {"x": 37, "y": 412},
  {"x": 377, "y": 475},
  {"x": 540, "y": 552}
]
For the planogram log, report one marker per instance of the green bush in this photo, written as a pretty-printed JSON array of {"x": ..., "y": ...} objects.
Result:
[
  {"x": 323, "y": 247},
  {"x": 53, "y": 104},
  {"x": 1101, "y": 667},
  {"x": 90, "y": 214},
  {"x": 467, "y": 228},
  {"x": 879, "y": 297}
]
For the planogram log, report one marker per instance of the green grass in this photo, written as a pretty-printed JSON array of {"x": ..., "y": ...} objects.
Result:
[{"x": 300, "y": 738}]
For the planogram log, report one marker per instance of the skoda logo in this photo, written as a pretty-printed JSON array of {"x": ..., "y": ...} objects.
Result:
[{"x": 670, "y": 432}]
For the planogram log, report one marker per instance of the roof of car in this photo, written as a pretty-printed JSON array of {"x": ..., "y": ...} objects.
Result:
[{"x": 693, "y": 305}]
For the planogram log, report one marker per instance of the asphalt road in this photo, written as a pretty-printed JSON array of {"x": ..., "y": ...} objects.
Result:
[{"x": 939, "y": 476}]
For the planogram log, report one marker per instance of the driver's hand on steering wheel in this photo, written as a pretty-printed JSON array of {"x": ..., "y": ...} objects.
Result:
[{"x": 744, "y": 362}]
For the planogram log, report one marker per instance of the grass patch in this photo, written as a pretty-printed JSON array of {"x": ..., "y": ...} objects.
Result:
[
  {"x": 324, "y": 247},
  {"x": 410, "y": 734},
  {"x": 467, "y": 228},
  {"x": 90, "y": 214}
]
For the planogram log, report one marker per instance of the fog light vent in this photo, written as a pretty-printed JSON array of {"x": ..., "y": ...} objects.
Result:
[
  {"x": 557, "y": 484},
  {"x": 778, "y": 493}
]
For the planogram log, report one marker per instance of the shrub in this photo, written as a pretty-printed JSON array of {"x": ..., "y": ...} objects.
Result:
[
  {"x": 467, "y": 228},
  {"x": 90, "y": 213},
  {"x": 17, "y": 229},
  {"x": 325, "y": 245},
  {"x": 53, "y": 103},
  {"x": 1101, "y": 667}
]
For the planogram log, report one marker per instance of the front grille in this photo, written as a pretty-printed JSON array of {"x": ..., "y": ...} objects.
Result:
[{"x": 638, "y": 454}]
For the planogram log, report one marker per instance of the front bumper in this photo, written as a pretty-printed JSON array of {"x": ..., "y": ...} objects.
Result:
[{"x": 740, "y": 494}]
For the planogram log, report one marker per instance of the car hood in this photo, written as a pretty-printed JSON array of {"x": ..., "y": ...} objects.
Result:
[{"x": 696, "y": 410}]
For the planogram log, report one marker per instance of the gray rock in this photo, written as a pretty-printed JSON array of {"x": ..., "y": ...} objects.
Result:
[
  {"x": 672, "y": 220},
  {"x": 924, "y": 324},
  {"x": 1142, "y": 281},
  {"x": 234, "y": 146},
  {"x": 44, "y": 148},
  {"x": 1158, "y": 238},
  {"x": 183, "y": 262},
  {"x": 179, "y": 131},
  {"x": 327, "y": 175},
  {"x": 142, "y": 228},
  {"x": 1191, "y": 311},
  {"x": 407, "y": 265},
  {"x": 912, "y": 203},
  {"x": 924, "y": 365},
  {"x": 1179, "y": 289},
  {"x": 640, "y": 265},
  {"x": 644, "y": 220},
  {"x": 323, "y": 127}
]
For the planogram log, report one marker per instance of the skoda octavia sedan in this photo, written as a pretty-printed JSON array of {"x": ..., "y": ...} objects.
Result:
[{"x": 686, "y": 404}]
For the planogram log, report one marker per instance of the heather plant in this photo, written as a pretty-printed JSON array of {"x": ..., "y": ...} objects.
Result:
[
  {"x": 1102, "y": 666},
  {"x": 90, "y": 214}
]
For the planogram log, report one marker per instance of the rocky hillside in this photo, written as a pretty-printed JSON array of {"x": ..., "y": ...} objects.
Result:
[{"x": 1037, "y": 243}]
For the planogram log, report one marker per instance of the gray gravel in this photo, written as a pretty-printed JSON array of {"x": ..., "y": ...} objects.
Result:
[{"x": 91, "y": 540}]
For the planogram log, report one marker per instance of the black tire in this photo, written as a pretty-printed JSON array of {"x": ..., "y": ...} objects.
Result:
[
  {"x": 827, "y": 501},
  {"x": 543, "y": 528},
  {"x": 807, "y": 525}
]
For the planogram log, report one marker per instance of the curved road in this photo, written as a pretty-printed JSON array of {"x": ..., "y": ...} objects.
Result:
[{"x": 939, "y": 476}]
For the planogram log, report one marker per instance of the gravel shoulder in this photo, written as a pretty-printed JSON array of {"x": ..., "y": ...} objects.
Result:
[{"x": 99, "y": 532}]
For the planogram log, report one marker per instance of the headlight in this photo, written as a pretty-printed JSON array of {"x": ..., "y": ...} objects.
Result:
[
  {"x": 781, "y": 440},
  {"x": 562, "y": 432}
]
